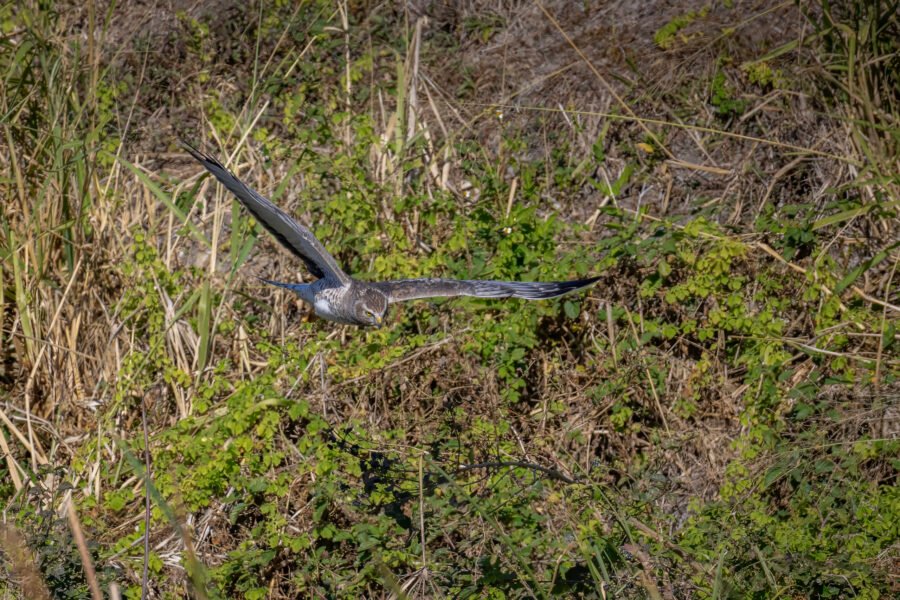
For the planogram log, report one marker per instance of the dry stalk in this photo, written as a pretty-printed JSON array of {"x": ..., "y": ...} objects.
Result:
[{"x": 87, "y": 563}]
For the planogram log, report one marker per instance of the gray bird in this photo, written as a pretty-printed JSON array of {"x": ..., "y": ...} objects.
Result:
[{"x": 336, "y": 296}]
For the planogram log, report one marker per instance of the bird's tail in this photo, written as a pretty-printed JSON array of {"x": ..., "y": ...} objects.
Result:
[
  {"x": 294, "y": 287},
  {"x": 304, "y": 290}
]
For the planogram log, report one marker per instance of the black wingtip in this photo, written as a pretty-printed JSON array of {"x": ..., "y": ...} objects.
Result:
[
  {"x": 547, "y": 290},
  {"x": 199, "y": 155},
  {"x": 571, "y": 286},
  {"x": 192, "y": 150},
  {"x": 586, "y": 282}
]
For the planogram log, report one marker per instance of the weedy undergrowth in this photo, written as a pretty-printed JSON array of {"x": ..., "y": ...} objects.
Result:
[{"x": 717, "y": 418}]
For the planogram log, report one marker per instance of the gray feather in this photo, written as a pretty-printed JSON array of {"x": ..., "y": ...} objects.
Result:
[
  {"x": 292, "y": 235},
  {"x": 411, "y": 289}
]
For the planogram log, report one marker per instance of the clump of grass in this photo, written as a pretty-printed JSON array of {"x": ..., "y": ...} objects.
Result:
[
  {"x": 860, "y": 57},
  {"x": 670, "y": 33}
]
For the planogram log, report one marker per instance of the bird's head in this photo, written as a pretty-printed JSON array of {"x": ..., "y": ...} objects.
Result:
[{"x": 371, "y": 307}]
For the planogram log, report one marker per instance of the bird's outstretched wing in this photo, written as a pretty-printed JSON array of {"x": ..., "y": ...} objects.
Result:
[
  {"x": 410, "y": 289},
  {"x": 289, "y": 233}
]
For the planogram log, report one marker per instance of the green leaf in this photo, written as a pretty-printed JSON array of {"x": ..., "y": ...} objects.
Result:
[
  {"x": 571, "y": 309},
  {"x": 890, "y": 331},
  {"x": 852, "y": 213},
  {"x": 854, "y": 274},
  {"x": 775, "y": 473}
]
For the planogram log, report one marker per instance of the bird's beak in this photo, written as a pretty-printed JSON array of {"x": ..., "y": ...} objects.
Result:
[{"x": 378, "y": 320}]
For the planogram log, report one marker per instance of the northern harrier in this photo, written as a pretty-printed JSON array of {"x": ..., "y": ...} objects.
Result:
[{"x": 336, "y": 296}]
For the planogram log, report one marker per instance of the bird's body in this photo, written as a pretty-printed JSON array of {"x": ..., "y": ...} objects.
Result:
[
  {"x": 335, "y": 296},
  {"x": 327, "y": 303},
  {"x": 330, "y": 301}
]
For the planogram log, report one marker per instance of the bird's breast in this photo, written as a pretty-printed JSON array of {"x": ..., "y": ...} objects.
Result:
[
  {"x": 328, "y": 304},
  {"x": 325, "y": 309}
]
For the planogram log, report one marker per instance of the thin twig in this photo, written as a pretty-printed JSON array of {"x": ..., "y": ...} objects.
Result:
[
  {"x": 605, "y": 83},
  {"x": 685, "y": 126},
  {"x": 89, "y": 573},
  {"x": 145, "y": 577},
  {"x": 656, "y": 400},
  {"x": 11, "y": 463},
  {"x": 551, "y": 473},
  {"x": 422, "y": 510}
]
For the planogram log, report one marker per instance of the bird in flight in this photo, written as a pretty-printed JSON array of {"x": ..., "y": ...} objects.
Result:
[{"x": 336, "y": 296}]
